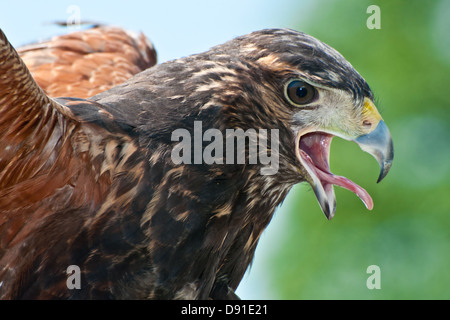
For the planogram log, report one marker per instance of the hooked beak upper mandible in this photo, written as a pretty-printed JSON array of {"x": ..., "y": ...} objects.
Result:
[{"x": 379, "y": 144}]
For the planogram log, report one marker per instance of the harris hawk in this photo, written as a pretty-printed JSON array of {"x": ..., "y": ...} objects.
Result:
[{"x": 91, "y": 182}]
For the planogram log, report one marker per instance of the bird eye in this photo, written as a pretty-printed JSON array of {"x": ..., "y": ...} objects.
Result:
[{"x": 300, "y": 93}]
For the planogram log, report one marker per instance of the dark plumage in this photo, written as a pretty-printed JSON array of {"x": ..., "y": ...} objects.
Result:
[{"x": 91, "y": 182}]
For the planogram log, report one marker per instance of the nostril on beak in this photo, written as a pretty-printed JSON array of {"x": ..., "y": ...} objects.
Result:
[{"x": 367, "y": 123}]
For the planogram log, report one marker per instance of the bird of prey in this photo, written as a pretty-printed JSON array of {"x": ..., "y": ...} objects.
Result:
[{"x": 91, "y": 182}]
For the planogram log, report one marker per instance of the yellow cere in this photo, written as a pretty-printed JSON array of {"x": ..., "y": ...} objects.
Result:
[{"x": 370, "y": 112}]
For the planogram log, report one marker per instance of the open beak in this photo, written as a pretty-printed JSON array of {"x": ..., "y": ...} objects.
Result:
[{"x": 313, "y": 150}]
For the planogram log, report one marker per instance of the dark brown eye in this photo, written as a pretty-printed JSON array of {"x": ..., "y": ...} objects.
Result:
[{"x": 299, "y": 92}]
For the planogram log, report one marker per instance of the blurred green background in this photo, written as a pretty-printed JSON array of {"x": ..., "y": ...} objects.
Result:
[{"x": 407, "y": 65}]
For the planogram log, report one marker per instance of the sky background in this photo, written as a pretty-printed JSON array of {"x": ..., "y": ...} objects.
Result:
[
  {"x": 407, "y": 62},
  {"x": 177, "y": 28}
]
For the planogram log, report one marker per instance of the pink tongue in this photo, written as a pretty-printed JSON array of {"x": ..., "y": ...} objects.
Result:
[
  {"x": 329, "y": 178},
  {"x": 316, "y": 150}
]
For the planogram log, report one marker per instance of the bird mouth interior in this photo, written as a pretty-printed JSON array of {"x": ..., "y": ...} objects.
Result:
[{"x": 313, "y": 151}]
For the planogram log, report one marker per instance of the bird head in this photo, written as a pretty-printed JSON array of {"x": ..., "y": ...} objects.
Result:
[
  {"x": 285, "y": 79},
  {"x": 270, "y": 79}
]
